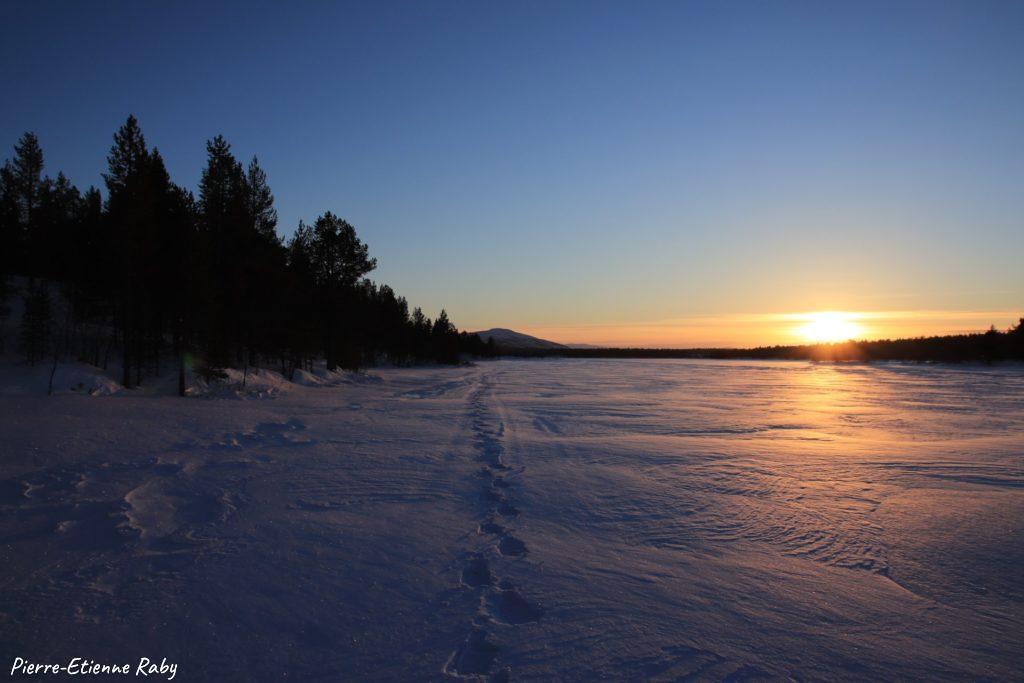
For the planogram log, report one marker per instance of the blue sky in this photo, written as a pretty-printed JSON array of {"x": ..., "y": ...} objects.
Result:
[{"x": 583, "y": 170}]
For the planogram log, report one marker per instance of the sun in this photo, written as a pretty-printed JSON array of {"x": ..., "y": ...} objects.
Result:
[{"x": 829, "y": 326}]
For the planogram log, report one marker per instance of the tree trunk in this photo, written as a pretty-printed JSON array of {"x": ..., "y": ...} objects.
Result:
[
  {"x": 53, "y": 371},
  {"x": 138, "y": 358},
  {"x": 179, "y": 353},
  {"x": 329, "y": 346},
  {"x": 126, "y": 372}
]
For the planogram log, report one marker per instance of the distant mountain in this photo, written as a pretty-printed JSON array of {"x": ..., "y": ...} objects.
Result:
[{"x": 510, "y": 339}]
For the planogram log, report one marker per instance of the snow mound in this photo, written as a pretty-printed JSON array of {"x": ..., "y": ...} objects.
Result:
[
  {"x": 322, "y": 377},
  {"x": 85, "y": 379},
  {"x": 307, "y": 379},
  {"x": 256, "y": 383},
  {"x": 68, "y": 378}
]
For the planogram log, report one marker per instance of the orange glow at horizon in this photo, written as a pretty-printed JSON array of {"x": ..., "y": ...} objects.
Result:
[
  {"x": 740, "y": 330},
  {"x": 830, "y": 326}
]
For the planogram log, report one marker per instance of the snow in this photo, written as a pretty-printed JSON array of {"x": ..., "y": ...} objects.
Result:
[
  {"x": 557, "y": 519},
  {"x": 67, "y": 378},
  {"x": 248, "y": 383}
]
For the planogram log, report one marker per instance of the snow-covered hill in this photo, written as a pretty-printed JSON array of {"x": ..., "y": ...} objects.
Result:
[{"x": 510, "y": 339}]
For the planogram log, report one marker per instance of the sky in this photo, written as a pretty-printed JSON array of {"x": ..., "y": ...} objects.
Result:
[{"x": 628, "y": 173}]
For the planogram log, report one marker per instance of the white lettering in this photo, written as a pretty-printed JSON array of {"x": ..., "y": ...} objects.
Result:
[{"x": 18, "y": 663}]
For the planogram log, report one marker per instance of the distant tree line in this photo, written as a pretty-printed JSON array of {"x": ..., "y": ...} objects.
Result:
[
  {"x": 152, "y": 277},
  {"x": 986, "y": 347}
]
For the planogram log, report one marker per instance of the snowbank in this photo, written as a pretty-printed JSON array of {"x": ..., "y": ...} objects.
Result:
[
  {"x": 250, "y": 383},
  {"x": 20, "y": 379},
  {"x": 76, "y": 378}
]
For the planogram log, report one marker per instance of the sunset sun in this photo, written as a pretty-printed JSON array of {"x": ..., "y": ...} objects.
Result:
[{"x": 829, "y": 327}]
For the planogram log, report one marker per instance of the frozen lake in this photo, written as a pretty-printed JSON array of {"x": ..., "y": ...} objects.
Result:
[{"x": 560, "y": 519}]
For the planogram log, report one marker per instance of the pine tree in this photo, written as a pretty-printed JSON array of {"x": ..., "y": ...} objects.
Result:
[
  {"x": 443, "y": 326},
  {"x": 340, "y": 259},
  {"x": 21, "y": 183},
  {"x": 263, "y": 257},
  {"x": 299, "y": 309},
  {"x": 5, "y": 309},
  {"x": 225, "y": 219},
  {"x": 171, "y": 281},
  {"x": 261, "y": 202},
  {"x": 26, "y": 177},
  {"x": 222, "y": 188},
  {"x": 127, "y": 159},
  {"x": 89, "y": 270},
  {"x": 50, "y": 240},
  {"x": 10, "y": 242},
  {"x": 444, "y": 339},
  {"x": 127, "y": 208}
]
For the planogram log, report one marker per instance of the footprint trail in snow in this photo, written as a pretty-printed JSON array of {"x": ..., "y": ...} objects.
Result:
[{"x": 502, "y": 606}]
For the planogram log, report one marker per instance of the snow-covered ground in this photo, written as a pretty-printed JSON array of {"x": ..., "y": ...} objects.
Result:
[{"x": 549, "y": 519}]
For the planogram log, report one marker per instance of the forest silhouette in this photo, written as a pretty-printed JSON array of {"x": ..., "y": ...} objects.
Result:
[
  {"x": 153, "y": 275},
  {"x": 982, "y": 347}
]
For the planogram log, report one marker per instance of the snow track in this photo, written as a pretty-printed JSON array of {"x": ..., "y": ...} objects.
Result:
[{"x": 501, "y": 605}]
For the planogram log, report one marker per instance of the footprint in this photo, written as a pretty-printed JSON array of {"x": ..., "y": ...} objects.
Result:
[
  {"x": 510, "y": 546},
  {"x": 507, "y": 509},
  {"x": 492, "y": 495},
  {"x": 490, "y": 453},
  {"x": 228, "y": 464},
  {"x": 273, "y": 428},
  {"x": 491, "y": 527},
  {"x": 509, "y": 607},
  {"x": 165, "y": 469},
  {"x": 314, "y": 505},
  {"x": 747, "y": 673},
  {"x": 474, "y": 658},
  {"x": 289, "y": 433},
  {"x": 93, "y": 526},
  {"x": 477, "y": 572},
  {"x": 280, "y": 433}
]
